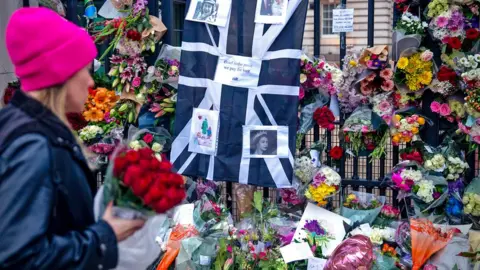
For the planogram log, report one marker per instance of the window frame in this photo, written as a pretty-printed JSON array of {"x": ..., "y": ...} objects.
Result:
[{"x": 324, "y": 20}]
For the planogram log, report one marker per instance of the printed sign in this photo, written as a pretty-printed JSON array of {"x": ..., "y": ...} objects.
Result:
[
  {"x": 342, "y": 20},
  {"x": 271, "y": 11},
  {"x": 238, "y": 71},
  {"x": 203, "y": 133},
  {"x": 214, "y": 12}
]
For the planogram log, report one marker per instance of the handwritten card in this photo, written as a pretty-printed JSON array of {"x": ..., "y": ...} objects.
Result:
[
  {"x": 296, "y": 252},
  {"x": 238, "y": 71},
  {"x": 316, "y": 264},
  {"x": 342, "y": 20},
  {"x": 204, "y": 131}
]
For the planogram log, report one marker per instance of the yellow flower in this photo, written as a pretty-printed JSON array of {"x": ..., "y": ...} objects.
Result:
[
  {"x": 402, "y": 63},
  {"x": 320, "y": 193},
  {"x": 425, "y": 77},
  {"x": 353, "y": 63}
]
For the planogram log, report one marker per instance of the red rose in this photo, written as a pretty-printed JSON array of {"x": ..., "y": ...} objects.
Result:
[
  {"x": 141, "y": 185},
  {"x": 324, "y": 118},
  {"x": 155, "y": 193},
  {"x": 370, "y": 147},
  {"x": 472, "y": 34},
  {"x": 120, "y": 164},
  {"x": 132, "y": 156},
  {"x": 336, "y": 153},
  {"x": 347, "y": 139},
  {"x": 148, "y": 138},
  {"x": 162, "y": 205},
  {"x": 454, "y": 43},
  {"x": 165, "y": 166},
  {"x": 146, "y": 153},
  {"x": 77, "y": 121},
  {"x": 132, "y": 174}
]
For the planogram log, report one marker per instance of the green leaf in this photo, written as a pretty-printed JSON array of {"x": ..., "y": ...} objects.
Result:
[{"x": 258, "y": 200}]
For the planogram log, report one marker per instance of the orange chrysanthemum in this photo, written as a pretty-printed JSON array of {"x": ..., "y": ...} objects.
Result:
[{"x": 93, "y": 115}]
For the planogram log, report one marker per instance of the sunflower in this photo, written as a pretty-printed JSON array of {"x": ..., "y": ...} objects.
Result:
[
  {"x": 93, "y": 115},
  {"x": 402, "y": 63}
]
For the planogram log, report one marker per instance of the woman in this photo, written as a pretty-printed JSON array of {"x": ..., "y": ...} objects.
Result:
[
  {"x": 46, "y": 187},
  {"x": 259, "y": 143}
]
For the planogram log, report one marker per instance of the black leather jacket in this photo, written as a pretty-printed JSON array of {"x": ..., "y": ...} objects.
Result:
[{"x": 46, "y": 195}]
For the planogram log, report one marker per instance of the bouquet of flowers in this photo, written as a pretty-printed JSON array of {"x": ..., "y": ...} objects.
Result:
[
  {"x": 374, "y": 57},
  {"x": 324, "y": 118},
  {"x": 348, "y": 97},
  {"x": 426, "y": 240},
  {"x": 405, "y": 175},
  {"x": 436, "y": 7},
  {"x": 383, "y": 106},
  {"x": 165, "y": 71},
  {"x": 414, "y": 152},
  {"x": 377, "y": 81},
  {"x": 315, "y": 75},
  {"x": 387, "y": 215},
  {"x": 127, "y": 73},
  {"x": 410, "y": 24},
  {"x": 414, "y": 70},
  {"x": 90, "y": 134},
  {"x": 125, "y": 111},
  {"x": 105, "y": 147},
  {"x": 451, "y": 110},
  {"x": 141, "y": 185},
  {"x": 325, "y": 184},
  {"x": 471, "y": 202},
  {"x": 365, "y": 130},
  {"x": 428, "y": 195},
  {"x": 406, "y": 128},
  {"x": 159, "y": 140},
  {"x": 446, "y": 82},
  {"x": 377, "y": 235},
  {"x": 435, "y": 162},
  {"x": 448, "y": 27},
  {"x": 304, "y": 169},
  {"x": 133, "y": 34},
  {"x": 469, "y": 66},
  {"x": 386, "y": 258},
  {"x": 99, "y": 103},
  {"x": 362, "y": 207}
]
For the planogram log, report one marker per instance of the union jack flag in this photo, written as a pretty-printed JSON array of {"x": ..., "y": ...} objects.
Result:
[{"x": 273, "y": 102}]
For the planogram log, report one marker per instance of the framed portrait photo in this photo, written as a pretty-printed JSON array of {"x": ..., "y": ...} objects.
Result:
[
  {"x": 271, "y": 11},
  {"x": 265, "y": 141}
]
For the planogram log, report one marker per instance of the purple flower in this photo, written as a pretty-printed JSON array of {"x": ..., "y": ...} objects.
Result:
[
  {"x": 455, "y": 186},
  {"x": 436, "y": 195},
  {"x": 314, "y": 227}
]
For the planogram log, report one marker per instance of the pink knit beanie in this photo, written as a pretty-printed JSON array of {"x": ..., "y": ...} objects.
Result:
[{"x": 46, "y": 49}]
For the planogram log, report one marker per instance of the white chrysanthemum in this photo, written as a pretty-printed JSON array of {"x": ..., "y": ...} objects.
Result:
[
  {"x": 411, "y": 174},
  {"x": 332, "y": 177},
  {"x": 425, "y": 190},
  {"x": 477, "y": 58}
]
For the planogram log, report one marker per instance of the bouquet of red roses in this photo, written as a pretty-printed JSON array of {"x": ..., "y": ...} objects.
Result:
[{"x": 140, "y": 185}]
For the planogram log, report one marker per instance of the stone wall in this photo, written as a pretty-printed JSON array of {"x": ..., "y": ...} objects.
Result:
[{"x": 329, "y": 45}]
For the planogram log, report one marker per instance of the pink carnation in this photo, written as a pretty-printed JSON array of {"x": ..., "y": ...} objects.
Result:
[
  {"x": 388, "y": 85},
  {"x": 442, "y": 21},
  {"x": 445, "y": 109},
  {"x": 435, "y": 107}
]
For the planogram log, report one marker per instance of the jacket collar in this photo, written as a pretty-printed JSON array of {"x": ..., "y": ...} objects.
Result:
[{"x": 39, "y": 112}]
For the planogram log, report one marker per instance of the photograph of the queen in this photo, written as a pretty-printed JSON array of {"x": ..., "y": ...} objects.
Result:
[{"x": 263, "y": 143}]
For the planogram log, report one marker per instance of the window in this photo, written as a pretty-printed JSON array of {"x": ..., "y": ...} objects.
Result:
[
  {"x": 178, "y": 19},
  {"x": 327, "y": 19}
]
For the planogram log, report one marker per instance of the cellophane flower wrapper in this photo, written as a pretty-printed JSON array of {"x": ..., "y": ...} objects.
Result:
[
  {"x": 471, "y": 200},
  {"x": 395, "y": 180},
  {"x": 244, "y": 194},
  {"x": 447, "y": 257},
  {"x": 306, "y": 112},
  {"x": 105, "y": 147},
  {"x": 174, "y": 244},
  {"x": 383, "y": 262},
  {"x": 362, "y": 123},
  {"x": 404, "y": 241},
  {"x": 363, "y": 216},
  {"x": 353, "y": 253},
  {"x": 426, "y": 241},
  {"x": 197, "y": 253},
  {"x": 431, "y": 210},
  {"x": 408, "y": 52},
  {"x": 160, "y": 136}
]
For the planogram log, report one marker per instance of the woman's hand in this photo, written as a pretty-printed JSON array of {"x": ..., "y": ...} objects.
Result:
[{"x": 123, "y": 228}]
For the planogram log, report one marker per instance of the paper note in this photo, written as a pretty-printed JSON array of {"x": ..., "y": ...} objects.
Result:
[
  {"x": 342, "y": 20},
  {"x": 296, "y": 252},
  {"x": 332, "y": 223},
  {"x": 316, "y": 264},
  {"x": 238, "y": 71},
  {"x": 183, "y": 214}
]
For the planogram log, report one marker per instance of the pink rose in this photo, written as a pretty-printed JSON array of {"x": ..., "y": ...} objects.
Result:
[
  {"x": 435, "y": 107},
  {"x": 426, "y": 55},
  {"x": 476, "y": 139},
  {"x": 136, "y": 82},
  {"x": 445, "y": 109},
  {"x": 365, "y": 129},
  {"x": 450, "y": 119},
  {"x": 410, "y": 120}
]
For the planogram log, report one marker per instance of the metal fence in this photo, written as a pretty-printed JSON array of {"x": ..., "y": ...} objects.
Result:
[{"x": 358, "y": 173}]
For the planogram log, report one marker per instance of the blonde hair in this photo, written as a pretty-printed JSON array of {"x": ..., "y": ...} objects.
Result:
[{"x": 54, "y": 98}]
